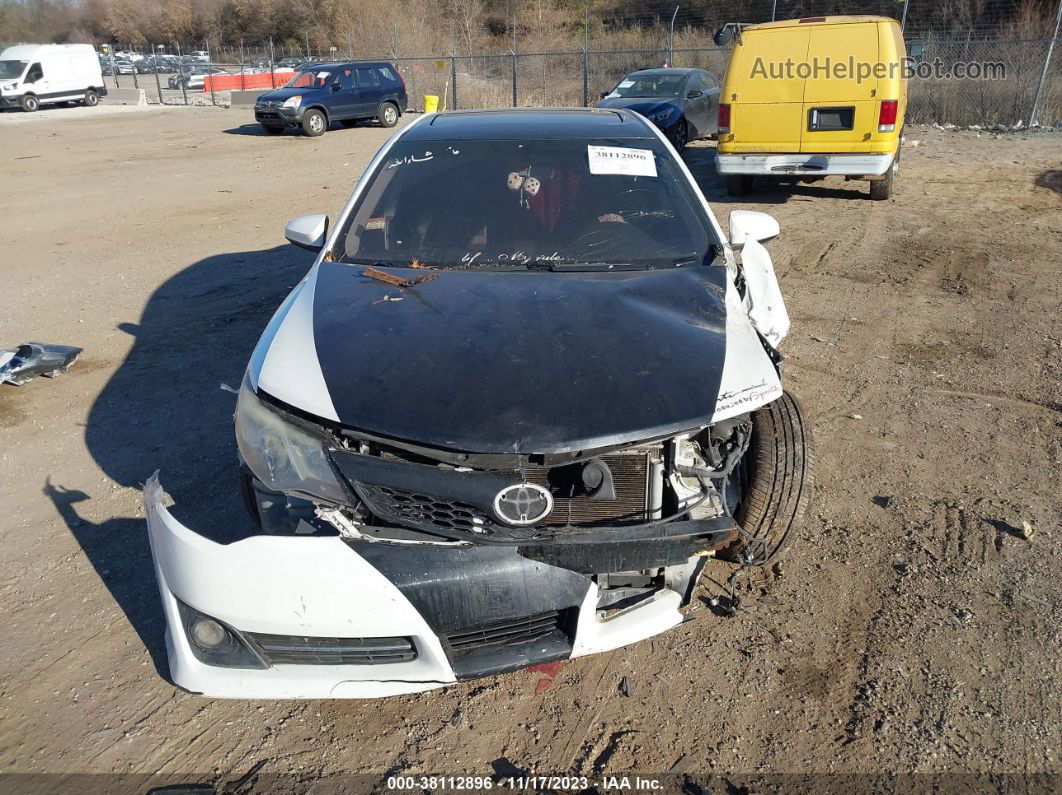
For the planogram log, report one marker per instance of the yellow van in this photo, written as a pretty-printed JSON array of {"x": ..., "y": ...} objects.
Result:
[{"x": 811, "y": 98}]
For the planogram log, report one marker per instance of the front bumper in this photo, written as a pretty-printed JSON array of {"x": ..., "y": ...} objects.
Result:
[
  {"x": 331, "y": 587},
  {"x": 278, "y": 116},
  {"x": 809, "y": 165}
]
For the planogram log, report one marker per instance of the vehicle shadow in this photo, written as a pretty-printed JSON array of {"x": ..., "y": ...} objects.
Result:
[
  {"x": 701, "y": 162},
  {"x": 165, "y": 409}
]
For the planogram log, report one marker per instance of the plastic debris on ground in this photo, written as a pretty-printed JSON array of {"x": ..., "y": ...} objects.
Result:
[{"x": 25, "y": 362}]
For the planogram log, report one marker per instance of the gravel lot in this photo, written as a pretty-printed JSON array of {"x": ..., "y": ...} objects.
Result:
[{"x": 912, "y": 629}]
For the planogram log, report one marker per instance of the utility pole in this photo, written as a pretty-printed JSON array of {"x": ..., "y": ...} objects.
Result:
[
  {"x": 671, "y": 39},
  {"x": 1047, "y": 64},
  {"x": 586, "y": 56},
  {"x": 903, "y": 21},
  {"x": 774, "y": 11}
]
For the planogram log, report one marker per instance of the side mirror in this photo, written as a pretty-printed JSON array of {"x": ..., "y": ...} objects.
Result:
[
  {"x": 336, "y": 87},
  {"x": 723, "y": 36},
  {"x": 751, "y": 225},
  {"x": 603, "y": 94},
  {"x": 309, "y": 231},
  {"x": 694, "y": 94}
]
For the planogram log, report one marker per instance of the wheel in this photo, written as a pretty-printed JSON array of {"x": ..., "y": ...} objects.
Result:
[
  {"x": 777, "y": 475},
  {"x": 314, "y": 123},
  {"x": 29, "y": 103},
  {"x": 350, "y": 122},
  {"x": 388, "y": 115},
  {"x": 92, "y": 99},
  {"x": 738, "y": 184},
  {"x": 271, "y": 130},
  {"x": 678, "y": 133},
  {"x": 881, "y": 189}
]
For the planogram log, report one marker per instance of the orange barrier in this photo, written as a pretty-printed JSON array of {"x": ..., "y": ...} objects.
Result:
[{"x": 243, "y": 82}]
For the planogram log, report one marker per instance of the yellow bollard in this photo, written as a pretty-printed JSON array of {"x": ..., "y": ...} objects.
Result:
[{"x": 431, "y": 103}]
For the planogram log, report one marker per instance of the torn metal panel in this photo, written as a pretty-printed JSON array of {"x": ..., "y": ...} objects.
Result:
[{"x": 27, "y": 361}]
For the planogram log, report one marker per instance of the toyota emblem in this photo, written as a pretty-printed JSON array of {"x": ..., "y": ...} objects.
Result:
[{"x": 523, "y": 504}]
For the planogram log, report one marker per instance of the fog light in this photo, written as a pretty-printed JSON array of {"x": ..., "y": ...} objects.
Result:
[{"x": 208, "y": 633}]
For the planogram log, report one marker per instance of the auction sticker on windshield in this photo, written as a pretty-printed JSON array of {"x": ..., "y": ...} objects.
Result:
[{"x": 621, "y": 160}]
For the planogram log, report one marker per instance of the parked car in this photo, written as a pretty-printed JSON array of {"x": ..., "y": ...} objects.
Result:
[
  {"x": 32, "y": 75},
  {"x": 835, "y": 124},
  {"x": 194, "y": 80},
  {"x": 528, "y": 390},
  {"x": 684, "y": 103},
  {"x": 345, "y": 92}
]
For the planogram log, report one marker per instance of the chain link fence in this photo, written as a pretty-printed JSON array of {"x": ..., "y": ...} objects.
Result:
[{"x": 578, "y": 77}]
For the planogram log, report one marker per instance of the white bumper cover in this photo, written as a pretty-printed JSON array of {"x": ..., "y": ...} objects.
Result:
[
  {"x": 320, "y": 587},
  {"x": 810, "y": 165}
]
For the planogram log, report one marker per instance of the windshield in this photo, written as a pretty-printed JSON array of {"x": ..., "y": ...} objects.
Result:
[
  {"x": 658, "y": 86},
  {"x": 309, "y": 78},
  {"x": 12, "y": 69},
  {"x": 557, "y": 204}
]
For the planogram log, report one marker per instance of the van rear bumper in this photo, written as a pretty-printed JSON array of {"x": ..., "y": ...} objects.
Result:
[{"x": 849, "y": 165}]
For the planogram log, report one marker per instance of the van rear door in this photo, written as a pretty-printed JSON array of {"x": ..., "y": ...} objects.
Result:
[
  {"x": 840, "y": 112},
  {"x": 766, "y": 113}
]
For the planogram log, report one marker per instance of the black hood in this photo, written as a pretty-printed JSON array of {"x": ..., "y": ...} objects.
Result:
[
  {"x": 642, "y": 105},
  {"x": 522, "y": 362}
]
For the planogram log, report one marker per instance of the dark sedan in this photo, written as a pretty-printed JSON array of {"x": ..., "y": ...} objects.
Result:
[{"x": 684, "y": 103}]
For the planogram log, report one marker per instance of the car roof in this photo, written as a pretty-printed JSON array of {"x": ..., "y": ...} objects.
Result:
[
  {"x": 668, "y": 70},
  {"x": 532, "y": 124},
  {"x": 331, "y": 64}
]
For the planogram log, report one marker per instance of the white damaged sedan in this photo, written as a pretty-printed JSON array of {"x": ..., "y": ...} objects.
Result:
[{"x": 527, "y": 392}]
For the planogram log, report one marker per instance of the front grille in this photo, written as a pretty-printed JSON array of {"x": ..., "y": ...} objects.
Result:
[
  {"x": 299, "y": 650},
  {"x": 423, "y": 510},
  {"x": 526, "y": 629},
  {"x": 571, "y": 505}
]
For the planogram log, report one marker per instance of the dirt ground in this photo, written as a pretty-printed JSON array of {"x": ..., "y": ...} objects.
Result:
[{"x": 912, "y": 629}]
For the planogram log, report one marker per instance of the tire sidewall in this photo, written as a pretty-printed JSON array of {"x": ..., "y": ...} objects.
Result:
[
  {"x": 30, "y": 103},
  {"x": 309, "y": 126},
  {"x": 92, "y": 99},
  {"x": 388, "y": 114}
]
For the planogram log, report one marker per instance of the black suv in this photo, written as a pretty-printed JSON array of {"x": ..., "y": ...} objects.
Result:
[{"x": 322, "y": 93}]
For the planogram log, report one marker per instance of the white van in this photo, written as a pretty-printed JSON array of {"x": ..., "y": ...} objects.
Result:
[{"x": 35, "y": 74}]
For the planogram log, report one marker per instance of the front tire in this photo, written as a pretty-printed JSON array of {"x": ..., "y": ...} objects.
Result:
[
  {"x": 388, "y": 114},
  {"x": 777, "y": 470},
  {"x": 29, "y": 103},
  {"x": 92, "y": 99},
  {"x": 314, "y": 123},
  {"x": 679, "y": 134}
]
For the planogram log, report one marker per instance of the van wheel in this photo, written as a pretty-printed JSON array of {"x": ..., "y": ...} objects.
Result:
[
  {"x": 314, "y": 123},
  {"x": 92, "y": 99},
  {"x": 881, "y": 189},
  {"x": 388, "y": 115},
  {"x": 29, "y": 103},
  {"x": 738, "y": 184},
  {"x": 777, "y": 476}
]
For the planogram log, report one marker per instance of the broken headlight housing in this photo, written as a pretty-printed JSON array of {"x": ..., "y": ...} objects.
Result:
[{"x": 285, "y": 456}]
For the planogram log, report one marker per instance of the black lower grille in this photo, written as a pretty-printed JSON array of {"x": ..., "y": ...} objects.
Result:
[
  {"x": 423, "y": 510},
  {"x": 504, "y": 633},
  {"x": 299, "y": 650}
]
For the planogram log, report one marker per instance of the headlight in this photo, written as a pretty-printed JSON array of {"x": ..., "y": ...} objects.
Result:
[
  {"x": 292, "y": 102},
  {"x": 282, "y": 455}
]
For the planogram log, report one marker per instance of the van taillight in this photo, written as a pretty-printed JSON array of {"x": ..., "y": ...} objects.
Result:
[
  {"x": 887, "y": 115},
  {"x": 724, "y": 118}
]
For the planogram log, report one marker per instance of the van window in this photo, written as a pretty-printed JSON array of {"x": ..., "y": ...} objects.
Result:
[
  {"x": 34, "y": 74},
  {"x": 387, "y": 75},
  {"x": 9, "y": 70},
  {"x": 367, "y": 77}
]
